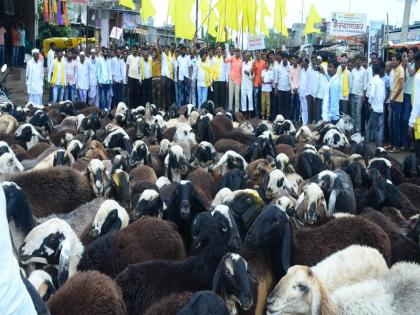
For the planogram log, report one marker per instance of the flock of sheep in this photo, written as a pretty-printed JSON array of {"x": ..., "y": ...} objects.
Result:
[{"x": 205, "y": 212}]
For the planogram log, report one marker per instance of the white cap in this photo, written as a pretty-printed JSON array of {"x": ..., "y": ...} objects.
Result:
[
  {"x": 35, "y": 51},
  {"x": 93, "y": 51}
]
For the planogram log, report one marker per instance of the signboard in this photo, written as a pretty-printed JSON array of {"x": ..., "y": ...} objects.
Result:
[
  {"x": 256, "y": 42},
  {"x": 376, "y": 37},
  {"x": 129, "y": 21},
  {"x": 86, "y": 2},
  {"x": 347, "y": 24},
  {"x": 116, "y": 33}
]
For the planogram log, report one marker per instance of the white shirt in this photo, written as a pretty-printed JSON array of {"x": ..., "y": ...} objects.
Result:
[
  {"x": 82, "y": 76},
  {"x": 117, "y": 69},
  {"x": 322, "y": 86},
  {"x": 93, "y": 71},
  {"x": 408, "y": 84},
  {"x": 183, "y": 65},
  {"x": 59, "y": 75},
  {"x": 165, "y": 69},
  {"x": 313, "y": 81},
  {"x": 303, "y": 83},
  {"x": 133, "y": 64},
  {"x": 358, "y": 81},
  {"x": 247, "y": 79},
  {"x": 50, "y": 57},
  {"x": 193, "y": 64},
  {"x": 201, "y": 75},
  {"x": 35, "y": 77},
  {"x": 415, "y": 112},
  {"x": 267, "y": 77},
  {"x": 369, "y": 77},
  {"x": 282, "y": 77},
  {"x": 15, "y": 299},
  {"x": 377, "y": 94}
]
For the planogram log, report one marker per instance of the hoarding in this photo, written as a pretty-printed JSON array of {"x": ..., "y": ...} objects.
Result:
[{"x": 347, "y": 24}]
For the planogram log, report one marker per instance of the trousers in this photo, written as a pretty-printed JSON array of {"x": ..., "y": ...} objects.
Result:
[
  {"x": 246, "y": 95},
  {"x": 265, "y": 104},
  {"x": 304, "y": 109},
  {"x": 234, "y": 90},
  {"x": 166, "y": 92}
]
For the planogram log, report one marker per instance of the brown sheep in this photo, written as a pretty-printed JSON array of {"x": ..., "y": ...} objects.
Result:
[
  {"x": 220, "y": 125},
  {"x": 93, "y": 150},
  {"x": 32, "y": 153},
  {"x": 286, "y": 149},
  {"x": 170, "y": 304},
  {"x": 88, "y": 293},
  {"x": 143, "y": 173},
  {"x": 8, "y": 124},
  {"x": 169, "y": 133},
  {"x": 203, "y": 184},
  {"x": 63, "y": 137},
  {"x": 224, "y": 145},
  {"x": 54, "y": 190},
  {"x": 256, "y": 172},
  {"x": 412, "y": 192}
]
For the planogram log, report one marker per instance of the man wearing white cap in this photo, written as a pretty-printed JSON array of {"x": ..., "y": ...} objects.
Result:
[
  {"x": 35, "y": 78},
  {"x": 93, "y": 93},
  {"x": 82, "y": 78}
]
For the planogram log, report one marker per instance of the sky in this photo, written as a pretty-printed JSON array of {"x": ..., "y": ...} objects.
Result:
[{"x": 375, "y": 9}]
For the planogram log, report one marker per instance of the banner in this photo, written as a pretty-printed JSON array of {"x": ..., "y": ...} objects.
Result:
[
  {"x": 116, "y": 33},
  {"x": 347, "y": 24},
  {"x": 129, "y": 21},
  {"x": 86, "y": 2},
  {"x": 256, "y": 42},
  {"x": 376, "y": 37}
]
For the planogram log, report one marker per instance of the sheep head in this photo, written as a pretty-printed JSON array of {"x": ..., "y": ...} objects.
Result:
[
  {"x": 98, "y": 176},
  {"x": 311, "y": 204},
  {"x": 149, "y": 204},
  {"x": 110, "y": 216}
]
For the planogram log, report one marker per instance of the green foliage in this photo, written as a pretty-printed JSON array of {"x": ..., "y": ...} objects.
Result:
[{"x": 273, "y": 40}]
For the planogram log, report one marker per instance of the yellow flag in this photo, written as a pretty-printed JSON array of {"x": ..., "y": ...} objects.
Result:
[
  {"x": 171, "y": 10},
  {"x": 208, "y": 16},
  {"x": 249, "y": 16},
  {"x": 313, "y": 18},
  {"x": 279, "y": 15},
  {"x": 265, "y": 12},
  {"x": 147, "y": 9},
  {"x": 128, "y": 4},
  {"x": 184, "y": 25},
  {"x": 233, "y": 11}
]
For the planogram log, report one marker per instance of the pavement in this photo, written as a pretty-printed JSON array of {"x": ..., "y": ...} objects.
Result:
[{"x": 16, "y": 85}]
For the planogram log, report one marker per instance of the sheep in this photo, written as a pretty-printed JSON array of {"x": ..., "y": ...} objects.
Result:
[
  {"x": 141, "y": 283},
  {"x": 394, "y": 293},
  {"x": 335, "y": 139},
  {"x": 88, "y": 292},
  {"x": 149, "y": 203},
  {"x": 145, "y": 239},
  {"x": 143, "y": 173},
  {"x": 28, "y": 134},
  {"x": 54, "y": 190},
  {"x": 141, "y": 155},
  {"x": 184, "y": 136},
  {"x": 311, "y": 205},
  {"x": 58, "y": 157},
  {"x": 308, "y": 163},
  {"x": 162, "y": 182},
  {"x": 256, "y": 174},
  {"x": 278, "y": 185},
  {"x": 173, "y": 303},
  {"x": 98, "y": 177},
  {"x": 8, "y": 124},
  {"x": 9, "y": 164},
  {"x": 304, "y": 134},
  {"x": 224, "y": 145},
  {"x": 411, "y": 191},
  {"x": 287, "y": 150},
  {"x": 117, "y": 139},
  {"x": 74, "y": 148},
  {"x": 220, "y": 197},
  {"x": 205, "y": 155},
  {"x": 43, "y": 284},
  {"x": 308, "y": 246},
  {"x": 233, "y": 179},
  {"x": 176, "y": 164},
  {"x": 205, "y": 302},
  {"x": 282, "y": 163}
]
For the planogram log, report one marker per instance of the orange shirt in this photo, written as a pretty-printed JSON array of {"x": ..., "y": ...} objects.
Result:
[
  {"x": 15, "y": 38},
  {"x": 258, "y": 68},
  {"x": 235, "y": 69}
]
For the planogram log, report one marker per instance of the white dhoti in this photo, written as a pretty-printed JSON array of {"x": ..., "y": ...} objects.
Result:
[
  {"x": 93, "y": 95},
  {"x": 304, "y": 109},
  {"x": 82, "y": 95},
  {"x": 246, "y": 94},
  {"x": 35, "y": 99}
]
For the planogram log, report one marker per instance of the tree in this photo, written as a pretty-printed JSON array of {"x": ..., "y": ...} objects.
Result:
[{"x": 46, "y": 30}]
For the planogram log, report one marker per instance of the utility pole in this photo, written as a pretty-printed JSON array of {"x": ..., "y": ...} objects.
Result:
[
  {"x": 406, "y": 21},
  {"x": 196, "y": 18}
]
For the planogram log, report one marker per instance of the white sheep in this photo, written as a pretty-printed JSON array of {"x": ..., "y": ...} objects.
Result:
[
  {"x": 185, "y": 137},
  {"x": 366, "y": 288}
]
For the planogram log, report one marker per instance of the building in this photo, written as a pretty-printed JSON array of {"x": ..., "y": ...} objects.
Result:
[{"x": 413, "y": 33}]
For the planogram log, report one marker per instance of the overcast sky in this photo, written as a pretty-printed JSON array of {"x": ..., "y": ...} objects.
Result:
[{"x": 375, "y": 9}]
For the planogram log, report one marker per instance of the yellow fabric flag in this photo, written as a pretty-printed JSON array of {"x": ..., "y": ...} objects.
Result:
[
  {"x": 233, "y": 11},
  {"x": 184, "y": 25},
  {"x": 209, "y": 20},
  {"x": 249, "y": 16},
  {"x": 171, "y": 10},
  {"x": 313, "y": 18},
  {"x": 147, "y": 9},
  {"x": 265, "y": 12},
  {"x": 279, "y": 15},
  {"x": 128, "y": 4}
]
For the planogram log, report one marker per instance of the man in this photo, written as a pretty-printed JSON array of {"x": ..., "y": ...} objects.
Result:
[
  {"x": 50, "y": 60},
  {"x": 247, "y": 85},
  {"x": 156, "y": 76},
  {"x": 377, "y": 94},
  {"x": 105, "y": 81},
  {"x": 294, "y": 77},
  {"x": 410, "y": 72},
  {"x": 415, "y": 112},
  {"x": 184, "y": 76},
  {"x": 15, "y": 44},
  {"x": 344, "y": 76},
  {"x": 387, "y": 78},
  {"x": 22, "y": 44},
  {"x": 124, "y": 93},
  {"x": 70, "y": 66},
  {"x": 304, "y": 90},
  {"x": 167, "y": 73},
  {"x": 82, "y": 78},
  {"x": 2, "y": 44},
  {"x": 320, "y": 94},
  {"x": 257, "y": 69},
  {"x": 118, "y": 69},
  {"x": 134, "y": 78},
  {"x": 93, "y": 94},
  {"x": 331, "y": 103},
  {"x": 146, "y": 63},
  {"x": 235, "y": 74},
  {"x": 57, "y": 77},
  {"x": 313, "y": 83},
  {"x": 204, "y": 78},
  {"x": 35, "y": 78},
  {"x": 358, "y": 92},
  {"x": 282, "y": 87},
  {"x": 219, "y": 76},
  {"x": 194, "y": 61},
  {"x": 267, "y": 78},
  {"x": 397, "y": 99}
]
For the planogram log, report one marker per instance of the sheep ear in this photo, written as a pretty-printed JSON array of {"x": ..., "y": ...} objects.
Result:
[
  {"x": 64, "y": 262},
  {"x": 286, "y": 246},
  {"x": 332, "y": 201}
]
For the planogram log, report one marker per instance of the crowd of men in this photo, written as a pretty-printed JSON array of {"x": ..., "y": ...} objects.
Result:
[{"x": 378, "y": 96}]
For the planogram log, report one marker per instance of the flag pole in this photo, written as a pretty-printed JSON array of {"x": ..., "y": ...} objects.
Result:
[{"x": 196, "y": 18}]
